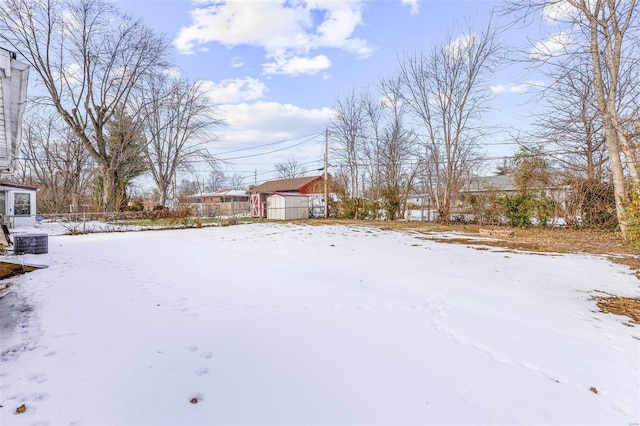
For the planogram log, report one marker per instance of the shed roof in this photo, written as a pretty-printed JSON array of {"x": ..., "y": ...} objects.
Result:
[
  {"x": 288, "y": 194},
  {"x": 220, "y": 193},
  {"x": 18, "y": 186},
  {"x": 490, "y": 183},
  {"x": 232, "y": 193},
  {"x": 285, "y": 185}
]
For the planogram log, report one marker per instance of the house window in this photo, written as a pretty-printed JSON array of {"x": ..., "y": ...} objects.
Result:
[
  {"x": 22, "y": 203},
  {"x": 3, "y": 205}
]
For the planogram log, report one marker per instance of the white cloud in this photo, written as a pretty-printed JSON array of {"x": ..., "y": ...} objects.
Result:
[
  {"x": 235, "y": 90},
  {"x": 413, "y": 6},
  {"x": 72, "y": 73},
  {"x": 172, "y": 72},
  {"x": 563, "y": 11},
  {"x": 237, "y": 62},
  {"x": 284, "y": 29},
  {"x": 297, "y": 65},
  {"x": 273, "y": 117},
  {"x": 389, "y": 100},
  {"x": 500, "y": 89},
  {"x": 255, "y": 124},
  {"x": 341, "y": 19},
  {"x": 260, "y": 23},
  {"x": 519, "y": 88},
  {"x": 554, "y": 45},
  {"x": 461, "y": 45}
]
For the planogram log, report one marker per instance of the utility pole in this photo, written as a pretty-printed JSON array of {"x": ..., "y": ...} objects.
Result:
[{"x": 326, "y": 188}]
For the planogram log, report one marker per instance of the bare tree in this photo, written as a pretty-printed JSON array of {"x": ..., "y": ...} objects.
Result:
[
  {"x": 446, "y": 90},
  {"x": 178, "y": 117},
  {"x": 605, "y": 31},
  {"x": 397, "y": 148},
  {"x": 573, "y": 125},
  {"x": 216, "y": 180},
  {"x": 290, "y": 169},
  {"x": 236, "y": 181},
  {"x": 90, "y": 58},
  {"x": 56, "y": 161},
  {"x": 188, "y": 187},
  {"x": 346, "y": 129},
  {"x": 371, "y": 142}
]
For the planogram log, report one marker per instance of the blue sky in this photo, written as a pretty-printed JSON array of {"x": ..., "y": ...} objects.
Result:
[{"x": 276, "y": 68}]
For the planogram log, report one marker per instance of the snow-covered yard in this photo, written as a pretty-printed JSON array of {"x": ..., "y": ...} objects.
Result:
[{"x": 293, "y": 324}]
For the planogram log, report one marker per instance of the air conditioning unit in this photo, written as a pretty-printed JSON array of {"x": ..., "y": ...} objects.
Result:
[{"x": 31, "y": 243}]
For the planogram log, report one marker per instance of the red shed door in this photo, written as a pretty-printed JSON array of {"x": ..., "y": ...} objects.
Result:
[{"x": 257, "y": 207}]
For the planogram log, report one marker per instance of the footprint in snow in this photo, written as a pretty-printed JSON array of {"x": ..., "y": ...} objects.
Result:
[
  {"x": 202, "y": 371},
  {"x": 37, "y": 378}
]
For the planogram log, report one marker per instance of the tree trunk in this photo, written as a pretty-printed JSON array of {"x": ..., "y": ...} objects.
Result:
[
  {"x": 163, "y": 194},
  {"x": 109, "y": 189},
  {"x": 617, "y": 177},
  {"x": 611, "y": 134}
]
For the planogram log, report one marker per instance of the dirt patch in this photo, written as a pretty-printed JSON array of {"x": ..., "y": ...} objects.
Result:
[
  {"x": 8, "y": 269},
  {"x": 620, "y": 306}
]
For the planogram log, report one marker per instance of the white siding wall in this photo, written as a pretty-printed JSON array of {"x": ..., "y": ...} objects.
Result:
[
  {"x": 13, "y": 96},
  {"x": 3, "y": 123},
  {"x": 276, "y": 207},
  {"x": 287, "y": 207},
  {"x": 297, "y": 208}
]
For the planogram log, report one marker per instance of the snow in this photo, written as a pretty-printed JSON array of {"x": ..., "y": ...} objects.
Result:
[{"x": 298, "y": 324}]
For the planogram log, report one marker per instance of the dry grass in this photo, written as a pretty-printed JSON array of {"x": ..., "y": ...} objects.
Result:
[{"x": 620, "y": 306}]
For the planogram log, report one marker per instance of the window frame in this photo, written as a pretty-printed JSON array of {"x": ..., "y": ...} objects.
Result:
[{"x": 20, "y": 205}]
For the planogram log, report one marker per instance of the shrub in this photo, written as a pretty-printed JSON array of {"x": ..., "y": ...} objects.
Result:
[
  {"x": 633, "y": 219},
  {"x": 543, "y": 208},
  {"x": 485, "y": 208},
  {"x": 598, "y": 205},
  {"x": 391, "y": 203},
  {"x": 365, "y": 209},
  {"x": 519, "y": 209}
]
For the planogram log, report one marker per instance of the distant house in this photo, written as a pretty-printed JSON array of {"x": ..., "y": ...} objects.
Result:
[
  {"x": 483, "y": 190},
  {"x": 150, "y": 205},
  {"x": 419, "y": 207},
  {"x": 312, "y": 186},
  {"x": 479, "y": 185},
  {"x": 555, "y": 188},
  {"x": 18, "y": 204},
  {"x": 225, "y": 202}
]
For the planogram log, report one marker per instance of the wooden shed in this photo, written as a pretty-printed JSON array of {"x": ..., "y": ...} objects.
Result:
[
  {"x": 310, "y": 186},
  {"x": 287, "y": 206}
]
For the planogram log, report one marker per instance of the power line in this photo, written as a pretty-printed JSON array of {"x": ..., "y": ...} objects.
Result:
[
  {"x": 263, "y": 145},
  {"x": 269, "y": 152}
]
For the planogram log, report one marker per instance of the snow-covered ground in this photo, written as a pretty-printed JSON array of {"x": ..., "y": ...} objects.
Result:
[{"x": 292, "y": 324}]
